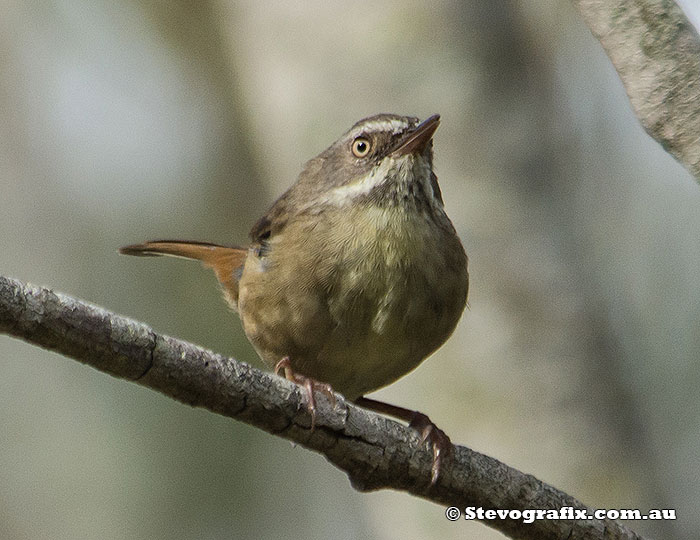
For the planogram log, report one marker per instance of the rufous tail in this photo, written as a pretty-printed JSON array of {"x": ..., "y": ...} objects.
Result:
[{"x": 227, "y": 262}]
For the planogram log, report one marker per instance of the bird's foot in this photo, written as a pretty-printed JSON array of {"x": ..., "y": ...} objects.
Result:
[
  {"x": 439, "y": 441},
  {"x": 308, "y": 384}
]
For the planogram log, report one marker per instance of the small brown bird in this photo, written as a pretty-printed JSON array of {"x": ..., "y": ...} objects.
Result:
[{"x": 355, "y": 274}]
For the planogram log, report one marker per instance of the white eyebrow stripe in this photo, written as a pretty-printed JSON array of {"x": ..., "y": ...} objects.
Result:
[{"x": 394, "y": 125}]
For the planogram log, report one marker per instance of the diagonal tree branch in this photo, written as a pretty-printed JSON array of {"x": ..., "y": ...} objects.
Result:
[
  {"x": 656, "y": 52},
  {"x": 374, "y": 451}
]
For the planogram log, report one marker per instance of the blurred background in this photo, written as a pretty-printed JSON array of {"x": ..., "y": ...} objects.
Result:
[{"x": 122, "y": 121}]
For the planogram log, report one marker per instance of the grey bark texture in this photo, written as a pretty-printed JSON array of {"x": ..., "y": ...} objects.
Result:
[
  {"x": 374, "y": 451},
  {"x": 656, "y": 52}
]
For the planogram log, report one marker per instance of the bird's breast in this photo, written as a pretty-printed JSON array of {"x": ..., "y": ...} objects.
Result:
[{"x": 359, "y": 296}]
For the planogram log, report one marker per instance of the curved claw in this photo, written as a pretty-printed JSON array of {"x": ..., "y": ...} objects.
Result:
[
  {"x": 308, "y": 384},
  {"x": 438, "y": 439}
]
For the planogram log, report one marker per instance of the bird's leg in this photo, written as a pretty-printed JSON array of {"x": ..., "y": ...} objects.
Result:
[
  {"x": 308, "y": 384},
  {"x": 439, "y": 441}
]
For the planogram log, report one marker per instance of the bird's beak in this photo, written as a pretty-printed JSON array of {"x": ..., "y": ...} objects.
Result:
[{"x": 417, "y": 140}]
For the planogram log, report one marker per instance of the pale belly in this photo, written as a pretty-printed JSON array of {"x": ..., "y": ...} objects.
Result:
[{"x": 356, "y": 310}]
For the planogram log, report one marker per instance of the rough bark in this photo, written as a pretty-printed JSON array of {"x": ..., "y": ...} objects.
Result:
[
  {"x": 374, "y": 451},
  {"x": 656, "y": 52}
]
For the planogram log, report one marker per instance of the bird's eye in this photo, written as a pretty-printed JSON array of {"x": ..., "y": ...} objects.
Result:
[{"x": 361, "y": 147}]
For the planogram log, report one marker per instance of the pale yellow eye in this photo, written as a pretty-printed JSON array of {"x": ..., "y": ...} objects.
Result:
[{"x": 361, "y": 147}]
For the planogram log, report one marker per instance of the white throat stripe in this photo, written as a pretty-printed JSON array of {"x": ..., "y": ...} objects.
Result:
[{"x": 364, "y": 185}]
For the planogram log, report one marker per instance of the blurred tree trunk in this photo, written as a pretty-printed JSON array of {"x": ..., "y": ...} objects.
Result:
[
  {"x": 235, "y": 190},
  {"x": 561, "y": 317}
]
